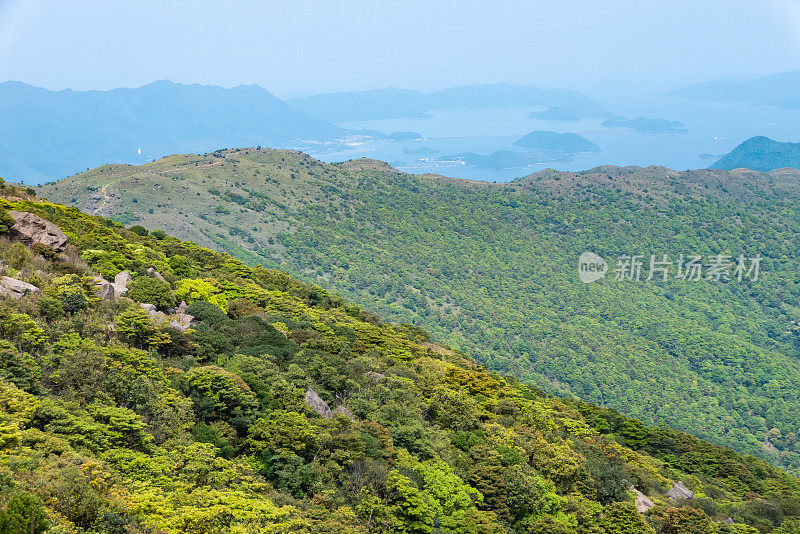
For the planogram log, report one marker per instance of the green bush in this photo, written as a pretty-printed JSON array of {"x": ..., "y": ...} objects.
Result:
[
  {"x": 6, "y": 222},
  {"x": 50, "y": 307},
  {"x": 151, "y": 290},
  {"x": 23, "y": 513}
]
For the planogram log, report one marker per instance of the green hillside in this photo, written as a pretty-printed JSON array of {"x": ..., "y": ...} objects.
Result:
[
  {"x": 491, "y": 269},
  {"x": 761, "y": 154},
  {"x": 113, "y": 421}
]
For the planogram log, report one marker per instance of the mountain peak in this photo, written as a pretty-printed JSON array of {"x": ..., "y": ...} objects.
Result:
[{"x": 760, "y": 153}]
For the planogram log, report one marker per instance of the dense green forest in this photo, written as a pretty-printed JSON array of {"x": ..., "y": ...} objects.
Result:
[
  {"x": 283, "y": 408},
  {"x": 491, "y": 269}
]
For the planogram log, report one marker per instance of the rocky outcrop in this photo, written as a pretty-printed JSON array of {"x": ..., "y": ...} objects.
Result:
[
  {"x": 112, "y": 290},
  {"x": 152, "y": 311},
  {"x": 104, "y": 289},
  {"x": 680, "y": 492},
  {"x": 149, "y": 308},
  {"x": 341, "y": 410},
  {"x": 121, "y": 283},
  {"x": 182, "y": 320},
  {"x": 315, "y": 402},
  {"x": 31, "y": 229},
  {"x": 154, "y": 273},
  {"x": 16, "y": 289},
  {"x": 642, "y": 502}
]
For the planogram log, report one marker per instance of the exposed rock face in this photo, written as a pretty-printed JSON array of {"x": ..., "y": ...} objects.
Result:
[
  {"x": 680, "y": 492},
  {"x": 16, "y": 289},
  {"x": 121, "y": 283},
  {"x": 112, "y": 290},
  {"x": 153, "y": 272},
  {"x": 341, "y": 410},
  {"x": 30, "y": 229},
  {"x": 152, "y": 312},
  {"x": 104, "y": 289},
  {"x": 642, "y": 502},
  {"x": 183, "y": 321},
  {"x": 316, "y": 403},
  {"x": 377, "y": 377}
]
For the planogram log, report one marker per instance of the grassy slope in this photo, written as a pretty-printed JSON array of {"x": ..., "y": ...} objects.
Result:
[{"x": 490, "y": 268}]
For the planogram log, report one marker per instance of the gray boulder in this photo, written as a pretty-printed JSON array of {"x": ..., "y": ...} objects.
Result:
[
  {"x": 341, "y": 410},
  {"x": 16, "y": 289},
  {"x": 30, "y": 229},
  {"x": 121, "y": 283},
  {"x": 104, "y": 289},
  {"x": 680, "y": 492},
  {"x": 642, "y": 502},
  {"x": 185, "y": 319},
  {"x": 152, "y": 312},
  {"x": 153, "y": 272},
  {"x": 315, "y": 402},
  {"x": 182, "y": 322}
]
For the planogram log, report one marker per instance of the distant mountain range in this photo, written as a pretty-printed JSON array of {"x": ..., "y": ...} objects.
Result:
[
  {"x": 48, "y": 134},
  {"x": 51, "y": 134},
  {"x": 761, "y": 154},
  {"x": 392, "y": 103},
  {"x": 782, "y": 89}
]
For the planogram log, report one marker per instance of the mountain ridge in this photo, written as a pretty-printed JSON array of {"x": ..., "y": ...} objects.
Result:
[
  {"x": 490, "y": 269},
  {"x": 762, "y": 154}
]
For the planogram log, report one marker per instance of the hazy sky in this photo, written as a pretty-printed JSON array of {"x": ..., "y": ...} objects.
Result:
[{"x": 304, "y": 46}]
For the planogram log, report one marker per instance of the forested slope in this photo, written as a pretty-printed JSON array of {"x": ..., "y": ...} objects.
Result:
[
  {"x": 492, "y": 269},
  {"x": 114, "y": 418}
]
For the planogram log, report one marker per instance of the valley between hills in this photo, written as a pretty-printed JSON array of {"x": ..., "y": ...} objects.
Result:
[{"x": 491, "y": 269}]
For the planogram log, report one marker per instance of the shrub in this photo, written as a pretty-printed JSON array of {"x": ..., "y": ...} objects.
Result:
[
  {"x": 139, "y": 230},
  {"x": 151, "y": 290},
  {"x": 23, "y": 513},
  {"x": 623, "y": 518},
  {"x": 6, "y": 222},
  {"x": 135, "y": 326},
  {"x": 69, "y": 290},
  {"x": 50, "y": 307},
  {"x": 43, "y": 250}
]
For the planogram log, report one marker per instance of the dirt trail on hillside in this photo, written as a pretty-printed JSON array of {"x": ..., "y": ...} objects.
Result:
[{"x": 106, "y": 199}]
